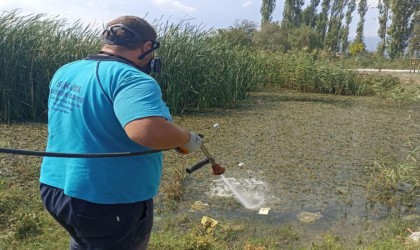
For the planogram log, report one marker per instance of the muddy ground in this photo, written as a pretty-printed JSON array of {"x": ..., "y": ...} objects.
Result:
[{"x": 302, "y": 152}]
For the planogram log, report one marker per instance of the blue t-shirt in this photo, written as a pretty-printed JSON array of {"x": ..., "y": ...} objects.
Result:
[{"x": 85, "y": 116}]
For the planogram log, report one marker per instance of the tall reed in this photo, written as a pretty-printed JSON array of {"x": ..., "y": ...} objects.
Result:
[
  {"x": 200, "y": 70},
  {"x": 32, "y": 48}
]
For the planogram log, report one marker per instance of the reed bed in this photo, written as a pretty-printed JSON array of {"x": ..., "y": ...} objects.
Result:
[
  {"x": 306, "y": 72},
  {"x": 32, "y": 48},
  {"x": 198, "y": 69},
  {"x": 201, "y": 69}
]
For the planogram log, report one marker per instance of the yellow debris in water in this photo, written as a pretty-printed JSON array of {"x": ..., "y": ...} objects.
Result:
[
  {"x": 209, "y": 223},
  {"x": 264, "y": 210},
  {"x": 199, "y": 205},
  {"x": 309, "y": 217}
]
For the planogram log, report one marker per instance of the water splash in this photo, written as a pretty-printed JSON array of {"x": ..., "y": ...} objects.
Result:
[{"x": 248, "y": 200}]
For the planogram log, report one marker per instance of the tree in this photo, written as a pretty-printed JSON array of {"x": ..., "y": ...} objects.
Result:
[
  {"x": 401, "y": 26},
  {"x": 356, "y": 48},
  {"x": 304, "y": 38},
  {"x": 292, "y": 14},
  {"x": 241, "y": 33},
  {"x": 383, "y": 8},
  {"x": 267, "y": 9},
  {"x": 333, "y": 39},
  {"x": 362, "y": 9},
  {"x": 309, "y": 15},
  {"x": 272, "y": 37},
  {"x": 414, "y": 44},
  {"x": 287, "y": 21},
  {"x": 321, "y": 25},
  {"x": 351, "y": 7}
]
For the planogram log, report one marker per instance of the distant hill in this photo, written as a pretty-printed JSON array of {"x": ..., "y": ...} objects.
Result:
[{"x": 372, "y": 42}]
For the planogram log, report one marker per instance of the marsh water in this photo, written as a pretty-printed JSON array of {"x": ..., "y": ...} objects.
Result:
[
  {"x": 304, "y": 153},
  {"x": 313, "y": 159}
]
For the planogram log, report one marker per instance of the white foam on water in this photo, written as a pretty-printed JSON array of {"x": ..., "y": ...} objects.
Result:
[{"x": 246, "y": 191}]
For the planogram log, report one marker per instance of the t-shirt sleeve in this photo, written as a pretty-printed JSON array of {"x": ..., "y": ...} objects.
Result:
[{"x": 137, "y": 98}]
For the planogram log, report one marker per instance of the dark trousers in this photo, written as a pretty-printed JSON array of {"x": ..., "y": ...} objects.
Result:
[{"x": 95, "y": 226}]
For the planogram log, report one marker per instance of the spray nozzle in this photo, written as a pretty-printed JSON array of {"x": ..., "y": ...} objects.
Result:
[{"x": 217, "y": 169}]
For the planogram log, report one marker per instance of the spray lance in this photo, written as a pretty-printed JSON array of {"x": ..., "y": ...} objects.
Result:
[{"x": 217, "y": 169}]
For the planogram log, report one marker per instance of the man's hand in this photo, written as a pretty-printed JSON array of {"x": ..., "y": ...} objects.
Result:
[{"x": 194, "y": 144}]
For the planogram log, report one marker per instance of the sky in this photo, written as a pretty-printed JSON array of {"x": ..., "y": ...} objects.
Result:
[{"x": 206, "y": 13}]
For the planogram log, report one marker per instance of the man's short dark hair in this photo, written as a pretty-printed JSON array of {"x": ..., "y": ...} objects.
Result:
[{"x": 137, "y": 24}]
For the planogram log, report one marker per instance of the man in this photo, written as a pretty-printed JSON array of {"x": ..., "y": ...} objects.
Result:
[{"x": 109, "y": 103}]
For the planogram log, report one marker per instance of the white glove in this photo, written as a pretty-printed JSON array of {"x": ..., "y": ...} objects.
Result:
[{"x": 194, "y": 144}]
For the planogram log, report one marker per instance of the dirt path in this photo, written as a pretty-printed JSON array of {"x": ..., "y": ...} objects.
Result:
[
  {"x": 387, "y": 70},
  {"x": 406, "y": 78}
]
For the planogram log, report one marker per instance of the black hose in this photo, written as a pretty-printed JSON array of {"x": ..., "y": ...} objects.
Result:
[{"x": 75, "y": 155}]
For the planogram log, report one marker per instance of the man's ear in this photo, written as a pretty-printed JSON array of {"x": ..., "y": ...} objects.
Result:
[{"x": 146, "y": 46}]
